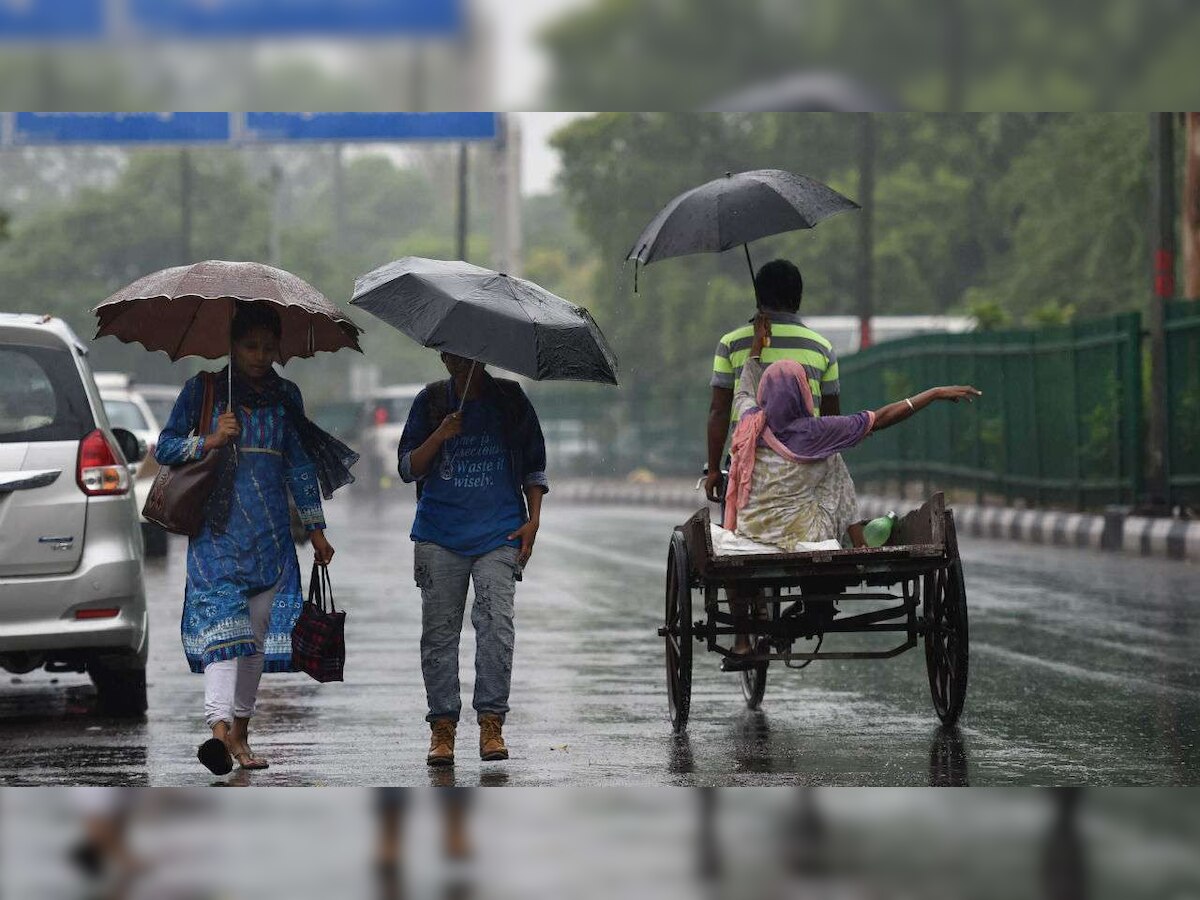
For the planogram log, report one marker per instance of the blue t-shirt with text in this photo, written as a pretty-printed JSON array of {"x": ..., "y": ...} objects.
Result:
[{"x": 475, "y": 509}]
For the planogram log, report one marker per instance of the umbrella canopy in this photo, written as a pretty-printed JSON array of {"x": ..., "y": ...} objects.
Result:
[
  {"x": 736, "y": 209},
  {"x": 488, "y": 316},
  {"x": 187, "y": 310}
]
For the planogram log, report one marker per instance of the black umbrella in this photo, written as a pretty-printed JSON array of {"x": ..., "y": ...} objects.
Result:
[
  {"x": 487, "y": 316},
  {"x": 736, "y": 209}
]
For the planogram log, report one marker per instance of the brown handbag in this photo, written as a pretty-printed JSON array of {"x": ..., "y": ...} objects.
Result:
[{"x": 180, "y": 493}]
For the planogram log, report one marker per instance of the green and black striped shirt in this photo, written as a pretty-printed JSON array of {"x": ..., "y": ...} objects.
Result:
[{"x": 790, "y": 339}]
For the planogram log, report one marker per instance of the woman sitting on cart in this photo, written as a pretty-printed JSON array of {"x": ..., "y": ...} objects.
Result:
[{"x": 788, "y": 485}]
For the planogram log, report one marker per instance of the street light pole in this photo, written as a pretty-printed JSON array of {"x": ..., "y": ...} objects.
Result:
[
  {"x": 185, "y": 207},
  {"x": 463, "y": 182},
  {"x": 866, "y": 225}
]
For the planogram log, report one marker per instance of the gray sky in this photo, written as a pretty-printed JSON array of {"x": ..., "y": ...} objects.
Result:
[
  {"x": 520, "y": 77},
  {"x": 520, "y": 66},
  {"x": 539, "y": 163}
]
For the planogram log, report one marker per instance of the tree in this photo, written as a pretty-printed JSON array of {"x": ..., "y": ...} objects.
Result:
[
  {"x": 1074, "y": 206},
  {"x": 964, "y": 54}
]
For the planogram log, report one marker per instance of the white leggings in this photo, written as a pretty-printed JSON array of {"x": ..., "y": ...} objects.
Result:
[{"x": 231, "y": 685}]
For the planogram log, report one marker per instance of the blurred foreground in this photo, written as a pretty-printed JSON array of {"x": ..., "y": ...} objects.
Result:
[{"x": 661, "y": 843}]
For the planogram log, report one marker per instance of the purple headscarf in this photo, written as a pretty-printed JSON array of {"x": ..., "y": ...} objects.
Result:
[{"x": 785, "y": 421}]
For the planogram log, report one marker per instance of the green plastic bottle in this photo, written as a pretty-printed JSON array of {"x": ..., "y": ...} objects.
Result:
[{"x": 877, "y": 531}]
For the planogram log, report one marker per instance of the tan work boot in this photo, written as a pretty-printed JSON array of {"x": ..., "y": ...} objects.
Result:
[
  {"x": 491, "y": 738},
  {"x": 441, "y": 742}
]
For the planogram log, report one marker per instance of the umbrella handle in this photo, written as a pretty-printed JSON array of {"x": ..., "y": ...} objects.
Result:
[
  {"x": 463, "y": 400},
  {"x": 753, "y": 283}
]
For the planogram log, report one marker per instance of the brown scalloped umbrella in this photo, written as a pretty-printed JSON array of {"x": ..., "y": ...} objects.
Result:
[{"x": 187, "y": 310}]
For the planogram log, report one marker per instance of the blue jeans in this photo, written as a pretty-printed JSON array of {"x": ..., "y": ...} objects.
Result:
[{"x": 442, "y": 576}]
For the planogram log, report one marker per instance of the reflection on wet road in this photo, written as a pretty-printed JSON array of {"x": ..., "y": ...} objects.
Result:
[{"x": 1084, "y": 668}]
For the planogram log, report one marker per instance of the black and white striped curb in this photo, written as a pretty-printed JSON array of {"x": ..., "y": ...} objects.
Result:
[{"x": 1113, "y": 531}]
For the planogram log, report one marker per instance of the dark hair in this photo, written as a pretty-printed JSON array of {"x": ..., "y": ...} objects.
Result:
[
  {"x": 255, "y": 315},
  {"x": 779, "y": 286}
]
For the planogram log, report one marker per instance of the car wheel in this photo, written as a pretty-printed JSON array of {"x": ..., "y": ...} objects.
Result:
[
  {"x": 120, "y": 685},
  {"x": 155, "y": 539}
]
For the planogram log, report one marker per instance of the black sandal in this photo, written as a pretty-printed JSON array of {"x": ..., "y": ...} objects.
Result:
[{"x": 215, "y": 756}]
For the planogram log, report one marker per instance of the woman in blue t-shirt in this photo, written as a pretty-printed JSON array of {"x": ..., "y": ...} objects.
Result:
[{"x": 474, "y": 447}]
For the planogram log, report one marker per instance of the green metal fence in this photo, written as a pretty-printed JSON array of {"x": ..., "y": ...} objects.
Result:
[
  {"x": 1060, "y": 420},
  {"x": 1183, "y": 402}
]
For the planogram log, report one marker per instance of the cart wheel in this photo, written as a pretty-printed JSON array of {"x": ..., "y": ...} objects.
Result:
[
  {"x": 945, "y": 609},
  {"x": 679, "y": 632},
  {"x": 754, "y": 685},
  {"x": 754, "y": 681}
]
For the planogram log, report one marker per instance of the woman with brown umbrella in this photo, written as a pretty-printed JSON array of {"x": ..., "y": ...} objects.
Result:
[{"x": 243, "y": 592}]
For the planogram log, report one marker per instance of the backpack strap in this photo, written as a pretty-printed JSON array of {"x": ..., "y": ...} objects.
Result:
[
  {"x": 436, "y": 405},
  {"x": 436, "y": 409},
  {"x": 515, "y": 407}
]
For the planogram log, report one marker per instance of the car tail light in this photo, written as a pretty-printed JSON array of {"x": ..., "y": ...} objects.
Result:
[
  {"x": 381, "y": 415},
  {"x": 104, "y": 613},
  {"x": 101, "y": 471}
]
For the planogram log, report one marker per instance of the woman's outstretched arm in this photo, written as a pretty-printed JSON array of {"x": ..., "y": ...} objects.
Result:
[{"x": 887, "y": 416}]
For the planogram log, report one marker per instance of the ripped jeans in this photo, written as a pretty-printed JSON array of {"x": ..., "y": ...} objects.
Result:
[{"x": 442, "y": 576}]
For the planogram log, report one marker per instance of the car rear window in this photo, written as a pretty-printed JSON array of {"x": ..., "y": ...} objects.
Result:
[
  {"x": 41, "y": 396},
  {"x": 125, "y": 414}
]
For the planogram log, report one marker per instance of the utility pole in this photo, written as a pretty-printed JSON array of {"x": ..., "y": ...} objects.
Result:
[
  {"x": 1191, "y": 209},
  {"x": 866, "y": 226},
  {"x": 1162, "y": 142},
  {"x": 185, "y": 207},
  {"x": 463, "y": 183}
]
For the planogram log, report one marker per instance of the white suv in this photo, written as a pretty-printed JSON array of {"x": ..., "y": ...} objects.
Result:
[{"x": 71, "y": 590}]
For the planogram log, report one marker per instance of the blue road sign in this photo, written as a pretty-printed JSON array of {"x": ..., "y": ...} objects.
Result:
[
  {"x": 42, "y": 20},
  {"x": 120, "y": 128},
  {"x": 252, "y": 18},
  {"x": 50, "y": 20},
  {"x": 451, "y": 126}
]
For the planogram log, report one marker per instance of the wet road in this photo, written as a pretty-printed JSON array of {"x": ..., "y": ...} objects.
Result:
[
  {"x": 628, "y": 843},
  {"x": 1084, "y": 669}
]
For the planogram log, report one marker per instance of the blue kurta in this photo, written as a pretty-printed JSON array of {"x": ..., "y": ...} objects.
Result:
[{"x": 256, "y": 551}]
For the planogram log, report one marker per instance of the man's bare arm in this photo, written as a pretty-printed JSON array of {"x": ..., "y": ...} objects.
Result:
[{"x": 718, "y": 429}]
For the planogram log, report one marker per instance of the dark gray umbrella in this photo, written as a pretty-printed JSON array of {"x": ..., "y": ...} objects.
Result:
[
  {"x": 736, "y": 209},
  {"x": 487, "y": 316}
]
